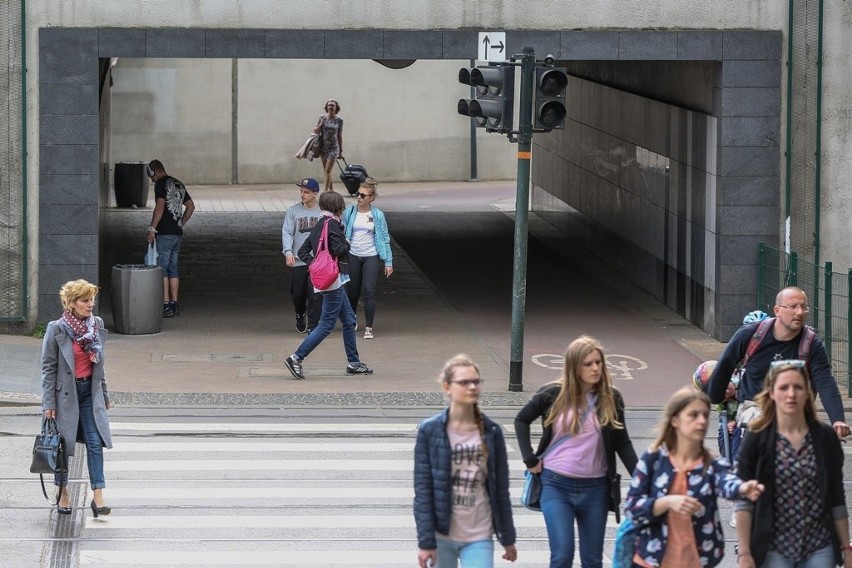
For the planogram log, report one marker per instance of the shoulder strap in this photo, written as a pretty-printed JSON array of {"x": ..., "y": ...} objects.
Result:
[
  {"x": 323, "y": 240},
  {"x": 555, "y": 444},
  {"x": 806, "y": 342},
  {"x": 757, "y": 338},
  {"x": 804, "y": 348}
]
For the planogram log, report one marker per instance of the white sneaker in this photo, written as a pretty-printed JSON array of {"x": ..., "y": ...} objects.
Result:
[{"x": 368, "y": 333}]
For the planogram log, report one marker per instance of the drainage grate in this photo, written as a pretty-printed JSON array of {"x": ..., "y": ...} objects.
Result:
[{"x": 211, "y": 357}]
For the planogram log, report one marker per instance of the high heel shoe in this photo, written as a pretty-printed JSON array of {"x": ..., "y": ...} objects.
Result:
[
  {"x": 96, "y": 511},
  {"x": 61, "y": 509}
]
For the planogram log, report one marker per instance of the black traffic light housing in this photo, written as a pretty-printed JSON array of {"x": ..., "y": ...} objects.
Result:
[
  {"x": 493, "y": 106},
  {"x": 549, "y": 98}
]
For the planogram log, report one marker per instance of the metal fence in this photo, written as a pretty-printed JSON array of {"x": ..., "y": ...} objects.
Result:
[
  {"x": 828, "y": 296},
  {"x": 13, "y": 235}
]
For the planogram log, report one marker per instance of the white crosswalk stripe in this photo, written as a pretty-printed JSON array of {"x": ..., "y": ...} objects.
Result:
[{"x": 236, "y": 492}]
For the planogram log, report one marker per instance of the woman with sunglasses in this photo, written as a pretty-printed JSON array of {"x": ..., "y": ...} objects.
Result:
[
  {"x": 367, "y": 232},
  {"x": 801, "y": 518},
  {"x": 583, "y": 420},
  {"x": 461, "y": 478},
  {"x": 330, "y": 129}
]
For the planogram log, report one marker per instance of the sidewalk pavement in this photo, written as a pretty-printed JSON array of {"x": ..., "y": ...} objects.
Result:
[{"x": 228, "y": 345}]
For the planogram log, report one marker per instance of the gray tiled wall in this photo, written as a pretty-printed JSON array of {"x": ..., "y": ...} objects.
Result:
[
  {"x": 670, "y": 230},
  {"x": 68, "y": 162},
  {"x": 676, "y": 199}
]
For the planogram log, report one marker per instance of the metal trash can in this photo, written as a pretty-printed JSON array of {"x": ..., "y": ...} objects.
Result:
[
  {"x": 137, "y": 299},
  {"x": 131, "y": 184}
]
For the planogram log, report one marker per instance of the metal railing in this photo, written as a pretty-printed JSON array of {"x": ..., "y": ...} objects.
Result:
[{"x": 828, "y": 295}]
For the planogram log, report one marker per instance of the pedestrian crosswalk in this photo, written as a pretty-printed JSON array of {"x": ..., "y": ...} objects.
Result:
[{"x": 269, "y": 491}]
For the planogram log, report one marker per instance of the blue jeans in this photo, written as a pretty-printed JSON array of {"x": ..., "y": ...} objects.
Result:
[
  {"x": 94, "y": 444},
  {"x": 476, "y": 554},
  {"x": 168, "y": 248},
  {"x": 564, "y": 499},
  {"x": 822, "y": 558},
  {"x": 335, "y": 305}
]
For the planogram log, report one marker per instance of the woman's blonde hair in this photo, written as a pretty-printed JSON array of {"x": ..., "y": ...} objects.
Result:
[
  {"x": 571, "y": 392},
  {"x": 667, "y": 435},
  {"x": 446, "y": 377},
  {"x": 76, "y": 290},
  {"x": 371, "y": 184},
  {"x": 767, "y": 405}
]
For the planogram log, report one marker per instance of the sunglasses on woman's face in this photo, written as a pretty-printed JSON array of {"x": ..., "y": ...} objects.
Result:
[
  {"x": 364, "y": 195},
  {"x": 793, "y": 363}
]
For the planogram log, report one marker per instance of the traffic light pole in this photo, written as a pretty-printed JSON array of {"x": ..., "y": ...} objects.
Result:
[
  {"x": 474, "y": 175},
  {"x": 519, "y": 278}
]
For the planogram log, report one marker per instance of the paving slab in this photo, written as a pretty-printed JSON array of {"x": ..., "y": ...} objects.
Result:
[{"x": 237, "y": 324}]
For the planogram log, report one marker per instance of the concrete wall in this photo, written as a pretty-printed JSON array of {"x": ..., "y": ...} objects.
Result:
[
  {"x": 836, "y": 230},
  {"x": 674, "y": 198},
  {"x": 178, "y": 110},
  {"x": 413, "y": 14},
  {"x": 401, "y": 124}
]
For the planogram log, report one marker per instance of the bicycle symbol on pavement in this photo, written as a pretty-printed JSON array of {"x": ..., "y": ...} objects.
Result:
[{"x": 620, "y": 366}]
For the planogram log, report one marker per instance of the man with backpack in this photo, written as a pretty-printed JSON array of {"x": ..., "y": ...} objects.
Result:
[{"x": 786, "y": 336}]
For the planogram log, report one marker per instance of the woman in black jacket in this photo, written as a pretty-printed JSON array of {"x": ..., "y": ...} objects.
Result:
[
  {"x": 800, "y": 462},
  {"x": 578, "y": 480},
  {"x": 461, "y": 478},
  {"x": 335, "y": 303}
]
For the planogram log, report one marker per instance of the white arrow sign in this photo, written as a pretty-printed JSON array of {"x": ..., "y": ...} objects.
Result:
[{"x": 492, "y": 46}]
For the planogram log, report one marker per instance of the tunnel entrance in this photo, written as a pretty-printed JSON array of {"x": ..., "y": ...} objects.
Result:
[{"x": 72, "y": 160}]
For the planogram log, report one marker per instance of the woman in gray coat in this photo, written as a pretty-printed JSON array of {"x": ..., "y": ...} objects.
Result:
[{"x": 74, "y": 388}]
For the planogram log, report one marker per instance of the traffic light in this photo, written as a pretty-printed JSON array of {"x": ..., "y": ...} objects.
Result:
[
  {"x": 549, "y": 98},
  {"x": 495, "y": 93}
]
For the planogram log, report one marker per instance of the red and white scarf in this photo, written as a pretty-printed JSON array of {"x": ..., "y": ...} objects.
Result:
[{"x": 85, "y": 333}]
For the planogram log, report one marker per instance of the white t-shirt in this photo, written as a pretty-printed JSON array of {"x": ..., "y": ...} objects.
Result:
[{"x": 363, "y": 241}]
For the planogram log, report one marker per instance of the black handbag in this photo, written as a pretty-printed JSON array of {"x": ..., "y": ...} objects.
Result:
[
  {"x": 49, "y": 453},
  {"x": 615, "y": 496}
]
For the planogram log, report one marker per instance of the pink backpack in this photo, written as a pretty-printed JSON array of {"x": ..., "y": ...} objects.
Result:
[{"x": 323, "y": 270}]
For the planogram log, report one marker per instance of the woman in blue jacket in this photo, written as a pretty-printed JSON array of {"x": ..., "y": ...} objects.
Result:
[
  {"x": 367, "y": 232},
  {"x": 461, "y": 479}
]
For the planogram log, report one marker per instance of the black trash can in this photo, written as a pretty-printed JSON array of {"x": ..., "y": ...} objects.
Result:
[
  {"x": 131, "y": 184},
  {"x": 137, "y": 299}
]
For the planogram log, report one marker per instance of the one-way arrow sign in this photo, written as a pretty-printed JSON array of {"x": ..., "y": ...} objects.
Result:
[{"x": 492, "y": 46}]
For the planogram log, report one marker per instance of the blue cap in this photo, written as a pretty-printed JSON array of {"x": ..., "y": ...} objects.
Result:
[{"x": 309, "y": 183}]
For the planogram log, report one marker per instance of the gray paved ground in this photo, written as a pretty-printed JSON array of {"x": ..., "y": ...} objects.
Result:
[
  {"x": 225, "y": 350},
  {"x": 237, "y": 322}
]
